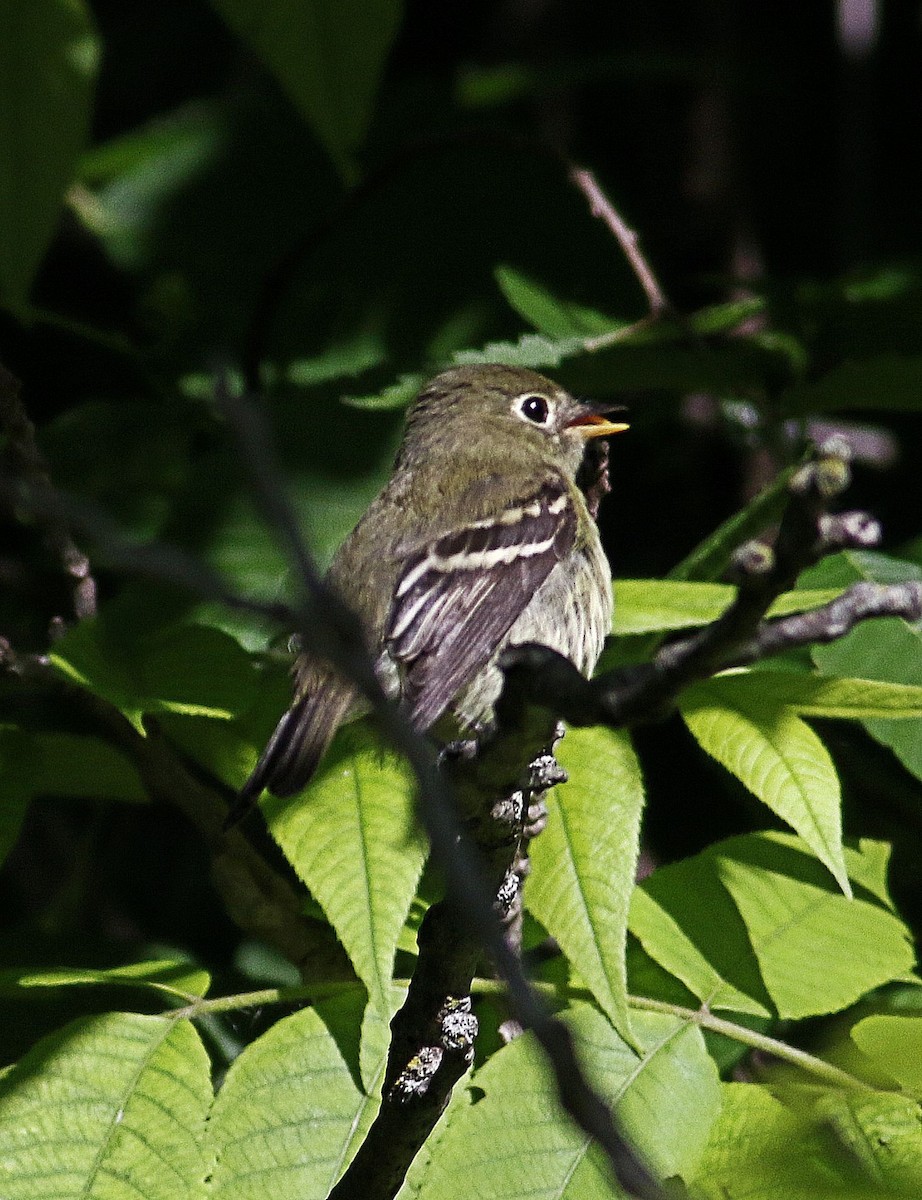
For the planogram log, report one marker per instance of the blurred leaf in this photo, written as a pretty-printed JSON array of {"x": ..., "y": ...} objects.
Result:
[
  {"x": 549, "y": 315},
  {"x": 531, "y": 350},
  {"x": 178, "y": 979},
  {"x": 585, "y": 860},
  {"x": 779, "y": 758},
  {"x": 140, "y": 173},
  {"x": 48, "y": 60},
  {"x": 887, "y": 381},
  {"x": 895, "y": 1045},
  {"x": 129, "y": 457},
  {"x": 817, "y": 950},
  {"x": 721, "y": 318},
  {"x": 398, "y": 395},
  {"x": 328, "y": 58},
  {"x": 290, "y": 1115},
  {"x": 652, "y": 605},
  {"x": 352, "y": 836},
  {"x": 665, "y": 1099},
  {"x": 761, "y": 1149},
  {"x": 340, "y": 361},
  {"x": 888, "y": 650},
  {"x": 116, "y": 1097}
]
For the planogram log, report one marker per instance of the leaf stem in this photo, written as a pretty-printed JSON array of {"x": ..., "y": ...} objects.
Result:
[
  {"x": 702, "y": 1017},
  {"x": 258, "y": 999},
  {"x": 705, "y": 1019}
]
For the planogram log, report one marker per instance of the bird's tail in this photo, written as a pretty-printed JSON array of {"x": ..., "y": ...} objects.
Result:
[{"x": 294, "y": 750}]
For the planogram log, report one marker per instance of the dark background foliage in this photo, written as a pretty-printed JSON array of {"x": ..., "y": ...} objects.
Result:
[{"x": 750, "y": 145}]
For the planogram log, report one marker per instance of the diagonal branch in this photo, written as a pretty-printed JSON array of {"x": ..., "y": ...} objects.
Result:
[{"x": 600, "y": 206}]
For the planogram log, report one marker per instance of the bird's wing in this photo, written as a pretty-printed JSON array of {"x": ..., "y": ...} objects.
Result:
[{"x": 457, "y": 597}]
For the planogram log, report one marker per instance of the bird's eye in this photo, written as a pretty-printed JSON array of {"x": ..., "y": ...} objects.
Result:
[{"x": 534, "y": 408}]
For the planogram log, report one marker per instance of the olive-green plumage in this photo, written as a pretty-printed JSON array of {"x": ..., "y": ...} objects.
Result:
[{"x": 481, "y": 539}]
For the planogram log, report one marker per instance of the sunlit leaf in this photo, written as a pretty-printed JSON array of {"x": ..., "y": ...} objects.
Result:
[
  {"x": 352, "y": 837},
  {"x": 895, "y": 1045},
  {"x": 812, "y": 695},
  {"x": 764, "y": 1149},
  {"x": 888, "y": 650},
  {"x": 585, "y": 860},
  {"x": 174, "y": 978},
  {"x": 817, "y": 950},
  {"x": 779, "y": 758},
  {"x": 289, "y": 1116},
  {"x": 107, "y": 1106},
  {"x": 654, "y": 605}
]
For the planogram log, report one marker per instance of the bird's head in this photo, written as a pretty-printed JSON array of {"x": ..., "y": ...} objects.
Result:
[{"x": 492, "y": 409}]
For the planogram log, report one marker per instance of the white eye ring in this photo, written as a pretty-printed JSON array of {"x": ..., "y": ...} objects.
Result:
[{"x": 533, "y": 407}]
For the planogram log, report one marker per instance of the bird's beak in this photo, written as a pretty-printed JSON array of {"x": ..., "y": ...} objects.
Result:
[{"x": 591, "y": 423}]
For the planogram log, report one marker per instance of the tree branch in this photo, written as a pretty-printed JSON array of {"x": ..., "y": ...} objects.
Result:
[
  {"x": 600, "y": 206},
  {"x": 633, "y": 695}
]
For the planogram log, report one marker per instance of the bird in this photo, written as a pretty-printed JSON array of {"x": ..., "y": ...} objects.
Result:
[{"x": 482, "y": 539}]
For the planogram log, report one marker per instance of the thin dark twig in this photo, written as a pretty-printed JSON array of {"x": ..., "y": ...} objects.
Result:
[
  {"x": 27, "y": 463},
  {"x": 601, "y": 207},
  {"x": 451, "y": 846}
]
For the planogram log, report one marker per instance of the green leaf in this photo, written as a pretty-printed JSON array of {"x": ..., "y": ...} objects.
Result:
[
  {"x": 665, "y": 1098},
  {"x": 882, "y": 1136},
  {"x": 585, "y": 860},
  {"x": 327, "y": 55},
  {"x": 780, "y": 759},
  {"x": 654, "y": 605},
  {"x": 694, "y": 901},
  {"x": 762, "y": 1149},
  {"x": 531, "y": 350},
  {"x": 341, "y": 360},
  {"x": 811, "y": 695},
  {"x": 769, "y": 921},
  {"x": 108, "y": 1106},
  {"x": 398, "y": 395},
  {"x": 888, "y": 650},
  {"x": 554, "y": 317},
  {"x": 352, "y": 837},
  {"x": 895, "y": 1045},
  {"x": 817, "y": 950},
  {"x": 664, "y": 939},
  {"x": 722, "y": 318},
  {"x": 171, "y": 977},
  {"x": 885, "y": 381},
  {"x": 290, "y": 1115},
  {"x": 48, "y": 60}
]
